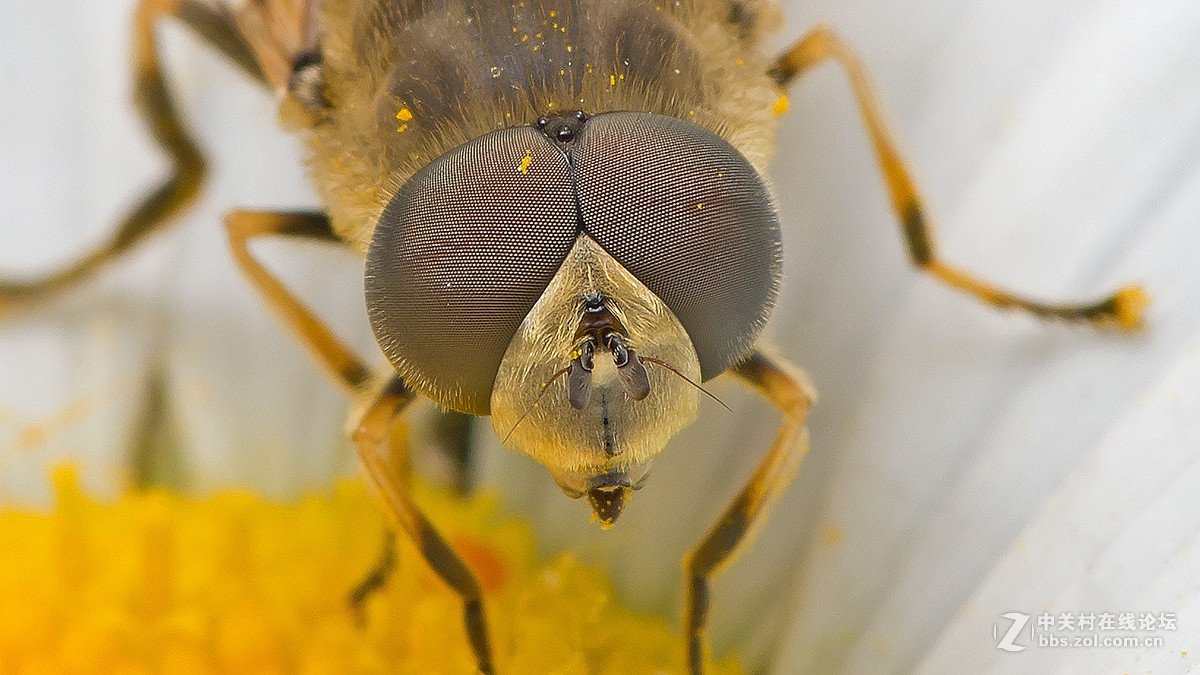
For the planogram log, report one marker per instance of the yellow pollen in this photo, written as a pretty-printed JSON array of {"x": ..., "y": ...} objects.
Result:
[
  {"x": 781, "y": 105},
  {"x": 525, "y": 162},
  {"x": 831, "y": 535},
  {"x": 404, "y": 115},
  {"x": 154, "y": 582}
]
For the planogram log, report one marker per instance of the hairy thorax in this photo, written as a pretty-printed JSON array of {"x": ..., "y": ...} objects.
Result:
[{"x": 408, "y": 81}]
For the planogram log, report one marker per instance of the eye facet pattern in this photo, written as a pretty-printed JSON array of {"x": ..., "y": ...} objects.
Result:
[
  {"x": 687, "y": 215},
  {"x": 461, "y": 254},
  {"x": 466, "y": 247}
]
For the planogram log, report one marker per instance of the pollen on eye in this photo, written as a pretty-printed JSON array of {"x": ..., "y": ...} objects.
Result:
[
  {"x": 781, "y": 105},
  {"x": 523, "y": 167}
]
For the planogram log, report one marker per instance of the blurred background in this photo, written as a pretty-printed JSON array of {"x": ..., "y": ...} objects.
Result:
[{"x": 964, "y": 464}]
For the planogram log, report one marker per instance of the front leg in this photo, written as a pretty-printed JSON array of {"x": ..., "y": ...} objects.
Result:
[
  {"x": 1122, "y": 309},
  {"x": 788, "y": 389},
  {"x": 371, "y": 438}
]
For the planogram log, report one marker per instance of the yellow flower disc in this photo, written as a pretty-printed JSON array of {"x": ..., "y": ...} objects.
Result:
[{"x": 159, "y": 583}]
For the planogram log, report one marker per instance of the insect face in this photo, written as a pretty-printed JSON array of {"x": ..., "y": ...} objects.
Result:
[
  {"x": 579, "y": 390},
  {"x": 573, "y": 278}
]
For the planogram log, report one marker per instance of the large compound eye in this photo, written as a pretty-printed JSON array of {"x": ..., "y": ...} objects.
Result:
[
  {"x": 461, "y": 254},
  {"x": 688, "y": 216}
]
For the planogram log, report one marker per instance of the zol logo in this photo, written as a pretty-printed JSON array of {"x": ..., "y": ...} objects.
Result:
[{"x": 1007, "y": 643}]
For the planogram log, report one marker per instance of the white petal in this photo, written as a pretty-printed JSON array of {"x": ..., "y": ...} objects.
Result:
[
  {"x": 247, "y": 404},
  {"x": 70, "y": 377},
  {"x": 965, "y": 424}
]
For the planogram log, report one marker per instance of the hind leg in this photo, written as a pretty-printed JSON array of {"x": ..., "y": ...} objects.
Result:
[
  {"x": 1122, "y": 309},
  {"x": 161, "y": 116}
]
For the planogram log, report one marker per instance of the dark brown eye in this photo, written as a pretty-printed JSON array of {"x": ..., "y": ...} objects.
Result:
[
  {"x": 688, "y": 216},
  {"x": 467, "y": 246},
  {"x": 461, "y": 254}
]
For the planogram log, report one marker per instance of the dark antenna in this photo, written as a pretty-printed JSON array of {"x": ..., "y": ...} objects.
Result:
[
  {"x": 685, "y": 378},
  {"x": 545, "y": 386}
]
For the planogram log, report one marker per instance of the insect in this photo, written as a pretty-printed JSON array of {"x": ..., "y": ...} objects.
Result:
[{"x": 563, "y": 219}]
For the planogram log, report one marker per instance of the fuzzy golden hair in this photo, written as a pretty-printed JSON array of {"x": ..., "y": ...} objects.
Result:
[
  {"x": 613, "y": 435},
  {"x": 408, "y": 80}
]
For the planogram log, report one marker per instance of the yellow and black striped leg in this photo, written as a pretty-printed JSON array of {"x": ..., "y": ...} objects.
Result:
[
  {"x": 1122, "y": 309},
  {"x": 371, "y": 437},
  {"x": 375, "y": 579},
  {"x": 788, "y": 389},
  {"x": 331, "y": 352},
  {"x": 159, "y": 114}
]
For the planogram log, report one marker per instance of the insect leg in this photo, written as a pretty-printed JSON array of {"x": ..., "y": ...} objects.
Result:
[
  {"x": 375, "y": 579},
  {"x": 216, "y": 23},
  {"x": 277, "y": 31},
  {"x": 788, "y": 389},
  {"x": 242, "y": 226},
  {"x": 162, "y": 120},
  {"x": 453, "y": 431},
  {"x": 1122, "y": 309},
  {"x": 371, "y": 437},
  {"x": 331, "y": 352}
]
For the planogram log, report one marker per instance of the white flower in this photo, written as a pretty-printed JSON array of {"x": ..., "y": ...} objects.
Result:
[{"x": 965, "y": 463}]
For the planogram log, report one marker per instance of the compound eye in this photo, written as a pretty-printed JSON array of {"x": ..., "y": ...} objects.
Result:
[
  {"x": 688, "y": 216},
  {"x": 461, "y": 254}
]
